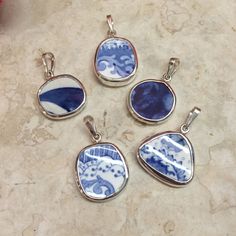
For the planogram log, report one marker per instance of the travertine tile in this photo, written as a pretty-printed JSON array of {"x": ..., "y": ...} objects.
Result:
[{"x": 38, "y": 194}]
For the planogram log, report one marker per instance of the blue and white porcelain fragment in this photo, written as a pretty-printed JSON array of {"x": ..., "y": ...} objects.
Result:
[
  {"x": 115, "y": 60},
  {"x": 152, "y": 101},
  {"x": 61, "y": 96},
  {"x": 101, "y": 171},
  {"x": 169, "y": 156}
]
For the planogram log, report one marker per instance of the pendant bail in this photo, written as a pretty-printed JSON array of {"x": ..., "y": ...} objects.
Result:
[
  {"x": 111, "y": 32},
  {"x": 172, "y": 68},
  {"x": 49, "y": 64},
  {"x": 89, "y": 122},
  {"x": 189, "y": 120}
]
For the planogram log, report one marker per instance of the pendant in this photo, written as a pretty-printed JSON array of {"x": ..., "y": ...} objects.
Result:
[
  {"x": 115, "y": 60},
  {"x": 169, "y": 156},
  {"x": 153, "y": 101},
  {"x": 61, "y": 96},
  {"x": 101, "y": 169}
]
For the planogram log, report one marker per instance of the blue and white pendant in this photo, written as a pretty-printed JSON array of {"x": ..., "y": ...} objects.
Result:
[
  {"x": 115, "y": 60},
  {"x": 169, "y": 156},
  {"x": 153, "y": 101},
  {"x": 61, "y": 96},
  {"x": 101, "y": 169}
]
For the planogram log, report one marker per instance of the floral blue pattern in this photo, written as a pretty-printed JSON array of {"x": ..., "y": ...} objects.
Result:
[
  {"x": 101, "y": 170},
  {"x": 115, "y": 59},
  {"x": 169, "y": 155}
]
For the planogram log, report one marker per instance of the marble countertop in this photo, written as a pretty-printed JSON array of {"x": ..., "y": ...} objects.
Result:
[{"x": 38, "y": 193}]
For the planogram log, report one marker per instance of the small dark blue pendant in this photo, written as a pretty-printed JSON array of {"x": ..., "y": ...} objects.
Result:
[{"x": 151, "y": 101}]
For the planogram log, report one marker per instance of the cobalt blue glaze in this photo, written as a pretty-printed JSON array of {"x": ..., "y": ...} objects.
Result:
[
  {"x": 115, "y": 58},
  {"x": 67, "y": 98},
  {"x": 152, "y": 100}
]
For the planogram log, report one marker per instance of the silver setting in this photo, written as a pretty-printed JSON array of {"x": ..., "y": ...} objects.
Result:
[
  {"x": 89, "y": 122},
  {"x": 111, "y": 32},
  {"x": 96, "y": 138},
  {"x": 108, "y": 81},
  {"x": 49, "y": 64},
  {"x": 190, "y": 118},
  {"x": 146, "y": 120},
  {"x": 48, "y": 60},
  {"x": 164, "y": 179},
  {"x": 172, "y": 68}
]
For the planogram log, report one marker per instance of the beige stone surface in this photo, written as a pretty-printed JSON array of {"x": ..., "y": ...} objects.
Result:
[{"x": 38, "y": 194}]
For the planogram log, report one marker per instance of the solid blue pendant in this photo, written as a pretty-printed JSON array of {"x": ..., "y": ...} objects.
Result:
[
  {"x": 169, "y": 157},
  {"x": 61, "y": 97},
  {"x": 151, "y": 101},
  {"x": 101, "y": 171}
]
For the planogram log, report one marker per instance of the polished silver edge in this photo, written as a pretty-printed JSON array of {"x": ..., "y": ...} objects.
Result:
[
  {"x": 69, "y": 114},
  {"x": 159, "y": 176},
  {"x": 77, "y": 178},
  {"x": 143, "y": 119},
  {"x": 115, "y": 82}
]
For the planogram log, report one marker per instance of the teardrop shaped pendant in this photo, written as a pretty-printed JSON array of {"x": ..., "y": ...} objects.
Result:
[
  {"x": 169, "y": 156},
  {"x": 115, "y": 60},
  {"x": 61, "y": 96},
  {"x": 153, "y": 101},
  {"x": 101, "y": 169}
]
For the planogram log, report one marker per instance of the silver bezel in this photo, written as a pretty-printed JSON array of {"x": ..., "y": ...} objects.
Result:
[
  {"x": 77, "y": 178},
  {"x": 159, "y": 176},
  {"x": 69, "y": 114},
  {"x": 115, "y": 82},
  {"x": 143, "y": 119}
]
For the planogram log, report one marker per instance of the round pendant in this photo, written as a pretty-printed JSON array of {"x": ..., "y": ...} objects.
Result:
[
  {"x": 61, "y": 97},
  {"x": 115, "y": 62},
  {"x": 151, "y": 101}
]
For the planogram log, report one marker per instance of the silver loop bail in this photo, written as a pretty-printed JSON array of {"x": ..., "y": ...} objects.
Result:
[
  {"x": 49, "y": 64},
  {"x": 111, "y": 32},
  {"x": 189, "y": 120},
  {"x": 89, "y": 122},
  {"x": 172, "y": 68}
]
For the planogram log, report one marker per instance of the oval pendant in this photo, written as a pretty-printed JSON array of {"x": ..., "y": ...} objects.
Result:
[
  {"x": 101, "y": 171},
  {"x": 61, "y": 97},
  {"x": 169, "y": 157},
  {"x": 151, "y": 101},
  {"x": 115, "y": 61}
]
